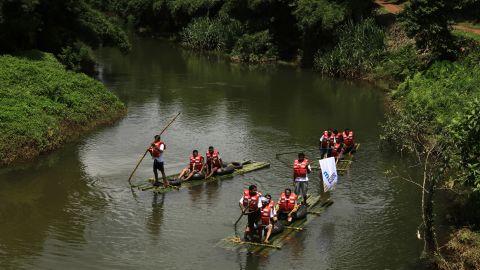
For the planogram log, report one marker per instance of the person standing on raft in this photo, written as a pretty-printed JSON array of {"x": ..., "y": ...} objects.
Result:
[
  {"x": 325, "y": 144},
  {"x": 195, "y": 165},
  {"x": 214, "y": 162},
  {"x": 250, "y": 205},
  {"x": 301, "y": 169},
  {"x": 156, "y": 151}
]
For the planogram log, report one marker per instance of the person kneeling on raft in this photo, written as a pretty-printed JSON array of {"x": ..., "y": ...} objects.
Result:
[
  {"x": 250, "y": 205},
  {"x": 268, "y": 218},
  {"x": 214, "y": 162},
  {"x": 195, "y": 166},
  {"x": 287, "y": 205}
]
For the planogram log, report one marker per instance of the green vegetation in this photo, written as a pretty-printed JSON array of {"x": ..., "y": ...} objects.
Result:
[
  {"x": 360, "y": 47},
  {"x": 285, "y": 29},
  {"x": 463, "y": 250},
  {"x": 466, "y": 35},
  {"x": 212, "y": 34},
  {"x": 42, "y": 105},
  {"x": 67, "y": 29}
]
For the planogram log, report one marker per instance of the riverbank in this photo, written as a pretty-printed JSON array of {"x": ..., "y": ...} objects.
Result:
[{"x": 44, "y": 106}]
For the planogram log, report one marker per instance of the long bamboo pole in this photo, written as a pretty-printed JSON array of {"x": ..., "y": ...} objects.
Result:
[{"x": 146, "y": 151}]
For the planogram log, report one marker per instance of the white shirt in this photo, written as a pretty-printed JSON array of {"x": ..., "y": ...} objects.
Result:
[
  {"x": 304, "y": 179},
  {"x": 160, "y": 157},
  {"x": 259, "y": 202}
]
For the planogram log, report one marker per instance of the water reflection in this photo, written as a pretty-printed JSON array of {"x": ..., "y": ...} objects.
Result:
[
  {"x": 155, "y": 219},
  {"x": 52, "y": 203}
]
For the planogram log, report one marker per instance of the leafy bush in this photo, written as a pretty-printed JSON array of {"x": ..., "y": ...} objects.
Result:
[
  {"x": 360, "y": 47},
  {"x": 443, "y": 102},
  {"x": 77, "y": 57},
  {"x": 42, "y": 105},
  {"x": 256, "y": 47},
  {"x": 399, "y": 64},
  {"x": 428, "y": 21},
  {"x": 57, "y": 27},
  {"x": 211, "y": 34}
]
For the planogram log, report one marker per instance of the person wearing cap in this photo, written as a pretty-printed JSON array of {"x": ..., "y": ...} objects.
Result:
[
  {"x": 250, "y": 205},
  {"x": 301, "y": 169},
  {"x": 156, "y": 151},
  {"x": 267, "y": 217}
]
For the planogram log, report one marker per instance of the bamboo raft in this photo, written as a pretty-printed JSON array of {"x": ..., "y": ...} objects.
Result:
[
  {"x": 343, "y": 165},
  {"x": 315, "y": 208},
  {"x": 249, "y": 167}
]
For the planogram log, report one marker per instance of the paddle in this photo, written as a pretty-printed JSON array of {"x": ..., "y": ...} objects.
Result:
[
  {"x": 238, "y": 220},
  {"x": 146, "y": 151}
]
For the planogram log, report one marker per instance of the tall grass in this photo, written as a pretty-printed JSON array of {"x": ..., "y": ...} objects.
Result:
[
  {"x": 211, "y": 34},
  {"x": 359, "y": 48}
]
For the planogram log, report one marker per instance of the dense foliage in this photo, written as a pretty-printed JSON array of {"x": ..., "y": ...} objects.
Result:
[
  {"x": 42, "y": 105},
  {"x": 66, "y": 28},
  {"x": 360, "y": 47},
  {"x": 290, "y": 28},
  {"x": 428, "y": 21},
  {"x": 442, "y": 104}
]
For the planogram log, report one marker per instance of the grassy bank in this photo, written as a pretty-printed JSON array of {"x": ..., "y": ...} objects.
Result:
[{"x": 43, "y": 105}]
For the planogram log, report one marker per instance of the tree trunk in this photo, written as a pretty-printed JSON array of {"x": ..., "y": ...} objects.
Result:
[{"x": 430, "y": 245}]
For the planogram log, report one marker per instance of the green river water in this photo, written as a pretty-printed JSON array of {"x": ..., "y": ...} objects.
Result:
[{"x": 73, "y": 209}]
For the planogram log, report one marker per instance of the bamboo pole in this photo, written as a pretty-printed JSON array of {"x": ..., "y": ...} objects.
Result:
[{"x": 146, "y": 151}]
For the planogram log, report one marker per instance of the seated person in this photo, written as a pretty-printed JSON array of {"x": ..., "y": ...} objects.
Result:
[
  {"x": 287, "y": 205},
  {"x": 195, "y": 166},
  {"x": 214, "y": 162}
]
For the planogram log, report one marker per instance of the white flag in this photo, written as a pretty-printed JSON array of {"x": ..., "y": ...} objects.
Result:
[{"x": 329, "y": 173}]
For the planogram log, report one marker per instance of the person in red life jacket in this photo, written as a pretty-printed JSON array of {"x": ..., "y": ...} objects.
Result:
[
  {"x": 156, "y": 151},
  {"x": 325, "y": 144},
  {"x": 337, "y": 137},
  {"x": 267, "y": 215},
  {"x": 301, "y": 169},
  {"x": 250, "y": 205},
  {"x": 287, "y": 205},
  {"x": 195, "y": 165},
  {"x": 337, "y": 151},
  {"x": 348, "y": 140},
  {"x": 214, "y": 162}
]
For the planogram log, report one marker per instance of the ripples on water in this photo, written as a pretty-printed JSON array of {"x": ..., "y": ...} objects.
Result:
[{"x": 73, "y": 208}]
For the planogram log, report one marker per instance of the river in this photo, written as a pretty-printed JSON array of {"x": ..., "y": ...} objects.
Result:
[{"x": 73, "y": 209}]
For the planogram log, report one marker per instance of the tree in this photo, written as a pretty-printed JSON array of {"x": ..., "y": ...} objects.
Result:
[
  {"x": 428, "y": 22},
  {"x": 57, "y": 27}
]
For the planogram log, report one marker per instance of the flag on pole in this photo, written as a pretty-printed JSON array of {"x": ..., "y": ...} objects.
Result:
[{"x": 329, "y": 173}]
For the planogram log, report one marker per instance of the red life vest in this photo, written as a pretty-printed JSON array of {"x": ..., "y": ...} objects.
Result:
[
  {"x": 287, "y": 204},
  {"x": 300, "y": 169},
  {"x": 325, "y": 139},
  {"x": 212, "y": 157},
  {"x": 266, "y": 215},
  {"x": 196, "y": 162},
  {"x": 348, "y": 139},
  {"x": 338, "y": 137},
  {"x": 154, "y": 151},
  {"x": 250, "y": 202},
  {"x": 337, "y": 149}
]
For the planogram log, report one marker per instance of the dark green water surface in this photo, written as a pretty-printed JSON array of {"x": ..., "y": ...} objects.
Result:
[{"x": 72, "y": 209}]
